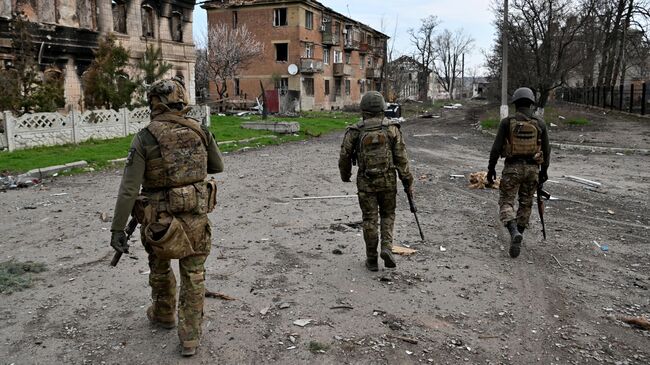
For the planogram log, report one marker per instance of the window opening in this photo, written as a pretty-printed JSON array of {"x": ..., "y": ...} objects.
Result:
[
  {"x": 282, "y": 52},
  {"x": 280, "y": 17}
]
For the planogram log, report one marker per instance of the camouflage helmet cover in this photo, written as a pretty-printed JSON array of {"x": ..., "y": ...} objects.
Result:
[
  {"x": 168, "y": 91},
  {"x": 523, "y": 93},
  {"x": 373, "y": 102}
]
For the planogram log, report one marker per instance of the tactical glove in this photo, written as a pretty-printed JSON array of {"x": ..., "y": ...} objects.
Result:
[
  {"x": 118, "y": 242},
  {"x": 543, "y": 176},
  {"x": 491, "y": 175}
]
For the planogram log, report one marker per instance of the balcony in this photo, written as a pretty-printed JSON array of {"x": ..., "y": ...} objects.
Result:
[
  {"x": 330, "y": 39},
  {"x": 350, "y": 45},
  {"x": 363, "y": 47},
  {"x": 341, "y": 69},
  {"x": 373, "y": 73},
  {"x": 310, "y": 66}
]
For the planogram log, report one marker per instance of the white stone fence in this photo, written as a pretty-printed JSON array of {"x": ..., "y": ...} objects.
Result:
[{"x": 50, "y": 129}]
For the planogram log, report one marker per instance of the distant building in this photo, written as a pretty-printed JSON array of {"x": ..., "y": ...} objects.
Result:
[
  {"x": 67, "y": 32},
  {"x": 314, "y": 57}
]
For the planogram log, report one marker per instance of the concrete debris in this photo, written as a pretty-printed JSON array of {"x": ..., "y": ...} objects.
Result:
[
  {"x": 265, "y": 310},
  {"x": 302, "y": 322},
  {"x": 284, "y": 305},
  {"x": 443, "y": 249},
  {"x": 104, "y": 217},
  {"x": 453, "y": 106},
  {"x": 478, "y": 180},
  {"x": 404, "y": 251},
  {"x": 583, "y": 181},
  {"x": 336, "y": 251},
  {"x": 276, "y": 127},
  {"x": 327, "y": 197},
  {"x": 16, "y": 182}
]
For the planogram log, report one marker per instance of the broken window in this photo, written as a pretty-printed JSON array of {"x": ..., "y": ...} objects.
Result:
[
  {"x": 119, "y": 16},
  {"x": 309, "y": 50},
  {"x": 362, "y": 86},
  {"x": 347, "y": 87},
  {"x": 362, "y": 62},
  {"x": 337, "y": 87},
  {"x": 148, "y": 21},
  {"x": 309, "y": 19},
  {"x": 176, "y": 24},
  {"x": 280, "y": 17},
  {"x": 308, "y": 86},
  {"x": 237, "y": 91},
  {"x": 348, "y": 58},
  {"x": 87, "y": 13},
  {"x": 282, "y": 52},
  {"x": 327, "y": 87},
  {"x": 282, "y": 84},
  {"x": 235, "y": 19}
]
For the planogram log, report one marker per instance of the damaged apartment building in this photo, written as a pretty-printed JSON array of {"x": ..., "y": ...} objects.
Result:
[
  {"x": 68, "y": 31},
  {"x": 314, "y": 57}
]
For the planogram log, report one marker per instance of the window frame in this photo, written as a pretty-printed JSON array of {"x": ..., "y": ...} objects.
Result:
[
  {"x": 278, "y": 18},
  {"x": 150, "y": 14},
  {"x": 327, "y": 87},
  {"x": 326, "y": 56},
  {"x": 308, "y": 85},
  {"x": 348, "y": 87},
  {"x": 309, "y": 19},
  {"x": 277, "y": 53}
]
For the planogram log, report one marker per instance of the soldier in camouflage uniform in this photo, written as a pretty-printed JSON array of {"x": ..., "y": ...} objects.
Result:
[
  {"x": 377, "y": 145},
  {"x": 522, "y": 139},
  {"x": 164, "y": 179}
]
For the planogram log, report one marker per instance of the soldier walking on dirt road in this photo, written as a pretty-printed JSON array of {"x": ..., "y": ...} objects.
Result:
[
  {"x": 522, "y": 139},
  {"x": 376, "y": 144},
  {"x": 170, "y": 160}
]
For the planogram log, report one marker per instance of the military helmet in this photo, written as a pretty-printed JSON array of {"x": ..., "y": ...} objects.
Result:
[
  {"x": 168, "y": 91},
  {"x": 373, "y": 102},
  {"x": 523, "y": 93}
]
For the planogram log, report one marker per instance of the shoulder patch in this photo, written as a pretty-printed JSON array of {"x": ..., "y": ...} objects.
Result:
[{"x": 129, "y": 157}]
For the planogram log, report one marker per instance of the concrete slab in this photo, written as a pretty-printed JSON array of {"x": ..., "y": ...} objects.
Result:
[{"x": 277, "y": 127}]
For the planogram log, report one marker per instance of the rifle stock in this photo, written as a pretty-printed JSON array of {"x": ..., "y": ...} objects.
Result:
[
  {"x": 130, "y": 228},
  {"x": 414, "y": 210}
]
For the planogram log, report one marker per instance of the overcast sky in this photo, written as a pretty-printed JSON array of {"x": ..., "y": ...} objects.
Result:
[{"x": 475, "y": 17}]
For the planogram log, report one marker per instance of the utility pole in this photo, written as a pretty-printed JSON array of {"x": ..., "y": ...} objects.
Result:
[
  {"x": 462, "y": 76},
  {"x": 504, "y": 69}
]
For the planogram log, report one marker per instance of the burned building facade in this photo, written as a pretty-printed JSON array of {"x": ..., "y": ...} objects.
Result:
[
  {"x": 66, "y": 32},
  {"x": 321, "y": 57}
]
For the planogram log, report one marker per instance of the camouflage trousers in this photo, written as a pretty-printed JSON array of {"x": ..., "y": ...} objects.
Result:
[
  {"x": 373, "y": 205},
  {"x": 192, "y": 275},
  {"x": 518, "y": 181}
]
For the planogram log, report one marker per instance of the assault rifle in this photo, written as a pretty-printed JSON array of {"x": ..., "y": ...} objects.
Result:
[
  {"x": 414, "y": 210},
  {"x": 541, "y": 193},
  {"x": 130, "y": 228}
]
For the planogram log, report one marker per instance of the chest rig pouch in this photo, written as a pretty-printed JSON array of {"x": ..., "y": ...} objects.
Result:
[
  {"x": 375, "y": 153},
  {"x": 524, "y": 140}
]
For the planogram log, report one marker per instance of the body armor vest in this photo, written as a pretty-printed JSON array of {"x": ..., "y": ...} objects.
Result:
[{"x": 184, "y": 156}]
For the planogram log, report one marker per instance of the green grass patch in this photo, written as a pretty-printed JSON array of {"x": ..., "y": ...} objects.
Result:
[
  {"x": 16, "y": 276},
  {"x": 318, "y": 347},
  {"x": 227, "y": 128},
  {"x": 578, "y": 121},
  {"x": 490, "y": 123}
]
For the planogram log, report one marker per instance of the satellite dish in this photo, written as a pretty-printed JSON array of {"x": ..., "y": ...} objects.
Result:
[{"x": 293, "y": 69}]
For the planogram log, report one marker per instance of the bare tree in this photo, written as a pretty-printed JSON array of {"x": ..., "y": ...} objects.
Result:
[
  {"x": 201, "y": 75},
  {"x": 449, "y": 48},
  {"x": 229, "y": 50},
  {"x": 423, "y": 39}
]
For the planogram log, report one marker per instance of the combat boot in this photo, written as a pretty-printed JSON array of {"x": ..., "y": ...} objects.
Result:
[
  {"x": 188, "y": 351},
  {"x": 166, "y": 323},
  {"x": 387, "y": 256},
  {"x": 515, "y": 239},
  {"x": 371, "y": 264}
]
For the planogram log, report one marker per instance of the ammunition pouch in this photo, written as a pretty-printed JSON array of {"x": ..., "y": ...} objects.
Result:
[
  {"x": 167, "y": 238},
  {"x": 197, "y": 198}
]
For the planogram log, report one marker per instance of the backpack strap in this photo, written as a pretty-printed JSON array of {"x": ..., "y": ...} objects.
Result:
[{"x": 191, "y": 124}]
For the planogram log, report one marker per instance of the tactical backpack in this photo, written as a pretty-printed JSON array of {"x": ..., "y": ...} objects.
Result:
[
  {"x": 374, "y": 152},
  {"x": 524, "y": 139}
]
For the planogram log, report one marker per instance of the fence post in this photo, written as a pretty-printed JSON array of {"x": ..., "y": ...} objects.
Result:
[
  {"x": 124, "y": 115},
  {"x": 206, "y": 109},
  {"x": 621, "y": 90},
  {"x": 643, "y": 99},
  {"x": 10, "y": 123},
  {"x": 75, "y": 128},
  {"x": 631, "y": 98}
]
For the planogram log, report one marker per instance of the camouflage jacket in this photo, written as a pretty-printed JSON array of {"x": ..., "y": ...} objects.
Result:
[
  {"x": 388, "y": 181},
  {"x": 144, "y": 148}
]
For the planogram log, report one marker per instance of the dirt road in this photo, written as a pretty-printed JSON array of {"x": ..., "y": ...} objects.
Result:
[{"x": 459, "y": 300}]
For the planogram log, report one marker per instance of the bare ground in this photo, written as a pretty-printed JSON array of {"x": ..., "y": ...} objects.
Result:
[{"x": 468, "y": 304}]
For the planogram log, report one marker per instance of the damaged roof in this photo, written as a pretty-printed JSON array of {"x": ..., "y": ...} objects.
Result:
[{"x": 218, "y": 4}]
